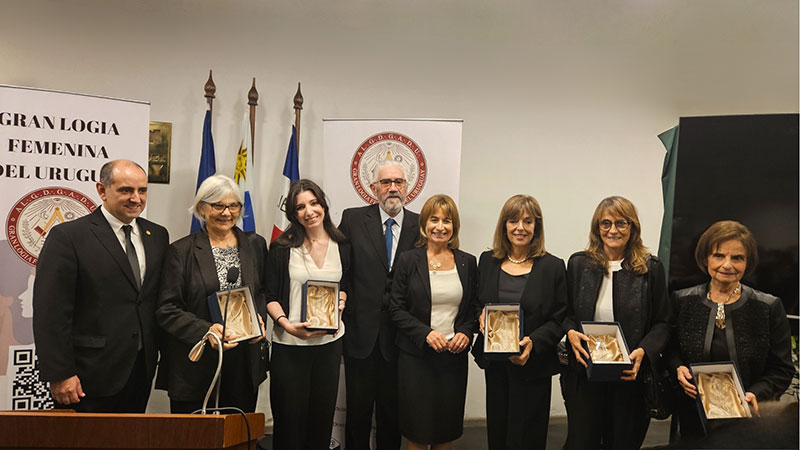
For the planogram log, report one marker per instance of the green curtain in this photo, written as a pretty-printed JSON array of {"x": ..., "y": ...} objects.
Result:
[{"x": 670, "y": 140}]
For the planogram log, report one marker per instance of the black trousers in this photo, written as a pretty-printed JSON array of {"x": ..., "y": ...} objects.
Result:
[
  {"x": 517, "y": 408},
  {"x": 131, "y": 399},
  {"x": 305, "y": 381},
  {"x": 371, "y": 382},
  {"x": 604, "y": 415},
  {"x": 236, "y": 387}
]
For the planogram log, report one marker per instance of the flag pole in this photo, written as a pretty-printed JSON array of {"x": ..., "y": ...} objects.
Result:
[
  {"x": 252, "y": 100},
  {"x": 298, "y": 107},
  {"x": 210, "y": 89}
]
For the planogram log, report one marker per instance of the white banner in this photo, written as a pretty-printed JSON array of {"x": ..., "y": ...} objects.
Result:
[
  {"x": 53, "y": 145},
  {"x": 429, "y": 150}
]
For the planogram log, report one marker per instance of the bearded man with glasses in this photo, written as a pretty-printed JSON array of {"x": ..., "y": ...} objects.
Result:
[{"x": 377, "y": 233}]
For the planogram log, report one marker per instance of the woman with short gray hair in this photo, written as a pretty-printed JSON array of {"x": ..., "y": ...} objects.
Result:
[{"x": 196, "y": 267}]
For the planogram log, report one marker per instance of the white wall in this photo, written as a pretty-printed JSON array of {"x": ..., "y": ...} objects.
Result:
[{"x": 560, "y": 99}]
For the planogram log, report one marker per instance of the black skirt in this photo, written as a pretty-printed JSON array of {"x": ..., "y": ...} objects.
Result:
[{"x": 432, "y": 390}]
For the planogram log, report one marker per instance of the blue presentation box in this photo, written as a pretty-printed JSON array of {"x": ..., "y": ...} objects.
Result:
[
  {"x": 606, "y": 370},
  {"x": 326, "y": 296},
  {"x": 242, "y": 316},
  {"x": 494, "y": 351},
  {"x": 728, "y": 367}
]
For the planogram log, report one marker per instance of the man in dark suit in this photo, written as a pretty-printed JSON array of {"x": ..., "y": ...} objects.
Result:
[
  {"x": 370, "y": 355},
  {"x": 94, "y": 299}
]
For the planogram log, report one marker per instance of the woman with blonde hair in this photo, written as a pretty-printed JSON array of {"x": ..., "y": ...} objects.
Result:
[
  {"x": 433, "y": 306},
  {"x": 615, "y": 279},
  {"x": 518, "y": 269}
]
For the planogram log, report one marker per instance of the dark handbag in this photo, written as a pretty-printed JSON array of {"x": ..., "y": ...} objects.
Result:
[{"x": 659, "y": 388}]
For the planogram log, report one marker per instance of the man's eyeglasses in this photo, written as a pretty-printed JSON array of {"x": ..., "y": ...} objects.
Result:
[
  {"x": 386, "y": 182},
  {"x": 220, "y": 207},
  {"x": 621, "y": 225}
]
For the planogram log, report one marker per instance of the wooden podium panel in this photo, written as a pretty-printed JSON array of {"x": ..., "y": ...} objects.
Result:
[{"x": 70, "y": 430}]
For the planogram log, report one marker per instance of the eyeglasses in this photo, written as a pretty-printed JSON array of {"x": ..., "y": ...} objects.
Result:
[
  {"x": 220, "y": 207},
  {"x": 621, "y": 225},
  {"x": 386, "y": 182}
]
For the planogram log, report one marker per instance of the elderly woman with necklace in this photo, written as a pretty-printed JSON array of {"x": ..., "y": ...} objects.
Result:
[
  {"x": 724, "y": 320},
  {"x": 518, "y": 269}
]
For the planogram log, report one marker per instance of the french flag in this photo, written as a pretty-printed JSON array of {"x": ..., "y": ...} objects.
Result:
[{"x": 290, "y": 175}]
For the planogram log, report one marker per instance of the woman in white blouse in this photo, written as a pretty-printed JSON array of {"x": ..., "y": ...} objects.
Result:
[
  {"x": 305, "y": 363},
  {"x": 433, "y": 305}
]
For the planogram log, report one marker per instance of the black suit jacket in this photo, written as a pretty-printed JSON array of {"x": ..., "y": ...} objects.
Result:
[
  {"x": 189, "y": 277},
  {"x": 544, "y": 306},
  {"x": 410, "y": 303},
  {"x": 641, "y": 304},
  {"x": 367, "y": 313},
  {"x": 88, "y": 313}
]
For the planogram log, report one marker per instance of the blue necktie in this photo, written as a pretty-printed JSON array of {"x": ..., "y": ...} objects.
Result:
[{"x": 388, "y": 235}]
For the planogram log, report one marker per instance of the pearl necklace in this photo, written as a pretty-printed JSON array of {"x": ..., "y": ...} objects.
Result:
[
  {"x": 719, "y": 319},
  {"x": 517, "y": 261}
]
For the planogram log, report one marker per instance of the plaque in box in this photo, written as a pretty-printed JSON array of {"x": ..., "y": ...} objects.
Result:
[
  {"x": 608, "y": 351},
  {"x": 241, "y": 318},
  {"x": 720, "y": 391},
  {"x": 321, "y": 305},
  {"x": 503, "y": 330}
]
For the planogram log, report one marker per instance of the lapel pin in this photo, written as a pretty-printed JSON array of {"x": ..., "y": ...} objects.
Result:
[{"x": 147, "y": 232}]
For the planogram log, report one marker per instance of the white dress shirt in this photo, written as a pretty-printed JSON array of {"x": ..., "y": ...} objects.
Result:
[
  {"x": 396, "y": 227},
  {"x": 136, "y": 238}
]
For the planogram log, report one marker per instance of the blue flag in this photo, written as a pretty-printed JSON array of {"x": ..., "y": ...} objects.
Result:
[{"x": 208, "y": 164}]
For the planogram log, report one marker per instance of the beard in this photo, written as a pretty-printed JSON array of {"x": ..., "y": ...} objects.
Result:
[{"x": 392, "y": 205}]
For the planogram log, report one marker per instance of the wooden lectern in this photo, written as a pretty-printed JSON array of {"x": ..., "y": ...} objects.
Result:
[{"x": 70, "y": 430}]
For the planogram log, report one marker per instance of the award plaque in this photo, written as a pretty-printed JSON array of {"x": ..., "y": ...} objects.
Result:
[
  {"x": 608, "y": 351},
  {"x": 321, "y": 305},
  {"x": 503, "y": 330},
  {"x": 242, "y": 317},
  {"x": 720, "y": 391}
]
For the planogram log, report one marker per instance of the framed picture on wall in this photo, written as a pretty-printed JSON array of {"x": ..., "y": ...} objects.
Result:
[{"x": 158, "y": 160}]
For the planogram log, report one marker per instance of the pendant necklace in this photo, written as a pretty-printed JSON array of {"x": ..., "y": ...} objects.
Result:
[{"x": 719, "y": 320}]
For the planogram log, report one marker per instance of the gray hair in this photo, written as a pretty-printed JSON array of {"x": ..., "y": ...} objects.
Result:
[
  {"x": 107, "y": 171},
  {"x": 214, "y": 189},
  {"x": 386, "y": 163}
]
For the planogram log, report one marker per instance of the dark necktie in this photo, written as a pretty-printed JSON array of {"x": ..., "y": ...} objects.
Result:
[
  {"x": 389, "y": 238},
  {"x": 131, "y": 251}
]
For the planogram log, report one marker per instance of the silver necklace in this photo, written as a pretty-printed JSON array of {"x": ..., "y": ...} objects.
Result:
[
  {"x": 434, "y": 265},
  {"x": 517, "y": 261},
  {"x": 719, "y": 320}
]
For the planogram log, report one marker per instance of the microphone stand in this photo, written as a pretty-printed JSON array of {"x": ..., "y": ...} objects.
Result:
[
  {"x": 224, "y": 323},
  {"x": 194, "y": 355}
]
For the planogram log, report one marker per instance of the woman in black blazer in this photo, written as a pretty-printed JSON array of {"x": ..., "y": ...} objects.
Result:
[
  {"x": 196, "y": 267},
  {"x": 615, "y": 279},
  {"x": 518, "y": 269},
  {"x": 305, "y": 363},
  {"x": 433, "y": 306},
  {"x": 725, "y": 320}
]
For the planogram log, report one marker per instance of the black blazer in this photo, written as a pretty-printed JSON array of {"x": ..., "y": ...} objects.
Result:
[
  {"x": 88, "y": 311},
  {"x": 757, "y": 334},
  {"x": 544, "y": 306},
  {"x": 277, "y": 274},
  {"x": 410, "y": 303},
  {"x": 189, "y": 277},
  {"x": 641, "y": 303},
  {"x": 367, "y": 313}
]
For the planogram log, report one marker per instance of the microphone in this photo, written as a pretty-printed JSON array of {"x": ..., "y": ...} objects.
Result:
[{"x": 232, "y": 277}]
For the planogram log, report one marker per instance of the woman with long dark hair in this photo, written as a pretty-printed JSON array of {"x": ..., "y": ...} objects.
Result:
[{"x": 305, "y": 363}]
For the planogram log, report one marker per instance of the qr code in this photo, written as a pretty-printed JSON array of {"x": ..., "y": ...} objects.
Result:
[{"x": 27, "y": 391}]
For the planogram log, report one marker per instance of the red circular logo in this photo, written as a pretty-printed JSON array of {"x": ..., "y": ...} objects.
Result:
[
  {"x": 388, "y": 145},
  {"x": 39, "y": 211}
]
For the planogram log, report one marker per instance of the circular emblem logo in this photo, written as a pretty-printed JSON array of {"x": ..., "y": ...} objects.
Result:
[
  {"x": 39, "y": 211},
  {"x": 384, "y": 146}
]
